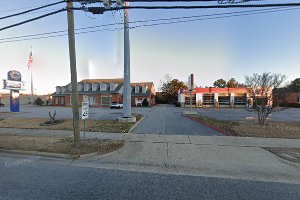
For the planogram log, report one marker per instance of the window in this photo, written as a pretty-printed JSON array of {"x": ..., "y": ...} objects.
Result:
[
  {"x": 224, "y": 99},
  {"x": 240, "y": 99},
  {"x": 187, "y": 99},
  {"x": 106, "y": 100},
  {"x": 208, "y": 99}
]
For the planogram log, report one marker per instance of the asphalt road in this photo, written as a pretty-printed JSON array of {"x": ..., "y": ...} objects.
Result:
[
  {"x": 168, "y": 120},
  {"x": 32, "y": 178}
]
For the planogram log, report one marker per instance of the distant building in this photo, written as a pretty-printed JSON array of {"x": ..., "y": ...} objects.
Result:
[
  {"x": 102, "y": 92},
  {"x": 215, "y": 97},
  {"x": 286, "y": 96},
  {"x": 25, "y": 99}
]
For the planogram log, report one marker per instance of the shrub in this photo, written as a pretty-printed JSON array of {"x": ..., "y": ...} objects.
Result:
[
  {"x": 145, "y": 103},
  {"x": 39, "y": 101},
  {"x": 293, "y": 105},
  {"x": 177, "y": 104}
]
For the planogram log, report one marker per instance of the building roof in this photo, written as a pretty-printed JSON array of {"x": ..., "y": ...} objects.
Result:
[
  {"x": 119, "y": 81},
  {"x": 113, "y": 80},
  {"x": 217, "y": 90}
]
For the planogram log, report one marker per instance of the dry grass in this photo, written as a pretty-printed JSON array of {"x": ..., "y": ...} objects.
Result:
[
  {"x": 57, "y": 145},
  {"x": 110, "y": 126},
  {"x": 252, "y": 129}
]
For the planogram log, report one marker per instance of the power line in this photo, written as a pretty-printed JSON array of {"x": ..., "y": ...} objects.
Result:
[
  {"x": 101, "y": 10},
  {"x": 166, "y": 1},
  {"x": 17, "y": 9},
  {"x": 31, "y": 10},
  {"x": 33, "y": 19},
  {"x": 188, "y": 19},
  {"x": 210, "y": 18}
]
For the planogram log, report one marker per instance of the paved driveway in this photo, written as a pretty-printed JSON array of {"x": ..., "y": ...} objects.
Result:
[{"x": 168, "y": 120}]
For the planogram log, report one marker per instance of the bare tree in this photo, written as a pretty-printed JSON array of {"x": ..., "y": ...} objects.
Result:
[{"x": 260, "y": 88}]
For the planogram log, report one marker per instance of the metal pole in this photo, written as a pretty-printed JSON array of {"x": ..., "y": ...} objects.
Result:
[
  {"x": 191, "y": 101},
  {"x": 74, "y": 93},
  {"x": 127, "y": 87},
  {"x": 84, "y": 130},
  {"x": 31, "y": 85}
]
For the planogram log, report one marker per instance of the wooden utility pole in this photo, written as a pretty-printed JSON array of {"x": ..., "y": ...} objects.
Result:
[{"x": 74, "y": 93}]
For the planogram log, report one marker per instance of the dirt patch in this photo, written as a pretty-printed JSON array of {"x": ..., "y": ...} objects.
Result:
[
  {"x": 290, "y": 154},
  {"x": 252, "y": 129},
  {"x": 110, "y": 126},
  {"x": 58, "y": 145}
]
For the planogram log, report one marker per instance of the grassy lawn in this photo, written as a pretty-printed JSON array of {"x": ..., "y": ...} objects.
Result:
[
  {"x": 57, "y": 145},
  {"x": 110, "y": 126},
  {"x": 252, "y": 129}
]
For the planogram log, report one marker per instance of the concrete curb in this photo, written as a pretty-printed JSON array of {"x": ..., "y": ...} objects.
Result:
[
  {"x": 54, "y": 155},
  {"x": 37, "y": 153},
  {"x": 207, "y": 125},
  {"x": 136, "y": 124}
]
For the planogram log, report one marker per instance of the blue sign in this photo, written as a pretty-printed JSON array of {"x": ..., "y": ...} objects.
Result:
[{"x": 14, "y": 101}]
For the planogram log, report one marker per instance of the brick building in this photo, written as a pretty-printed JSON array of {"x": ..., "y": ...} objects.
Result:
[
  {"x": 215, "y": 97},
  {"x": 286, "y": 96},
  {"x": 102, "y": 92}
]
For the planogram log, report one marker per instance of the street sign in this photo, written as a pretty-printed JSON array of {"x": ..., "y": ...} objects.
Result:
[
  {"x": 191, "y": 82},
  {"x": 85, "y": 110}
]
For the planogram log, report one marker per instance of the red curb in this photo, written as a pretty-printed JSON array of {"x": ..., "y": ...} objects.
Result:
[{"x": 208, "y": 125}]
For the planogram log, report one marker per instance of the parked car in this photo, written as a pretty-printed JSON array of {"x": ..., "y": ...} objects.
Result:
[
  {"x": 116, "y": 105},
  {"x": 2, "y": 105}
]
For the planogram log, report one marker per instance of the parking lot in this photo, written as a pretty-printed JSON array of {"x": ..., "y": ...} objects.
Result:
[
  {"x": 28, "y": 111},
  {"x": 237, "y": 114},
  {"x": 160, "y": 119}
]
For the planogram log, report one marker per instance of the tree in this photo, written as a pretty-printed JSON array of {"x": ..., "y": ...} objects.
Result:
[
  {"x": 220, "y": 83},
  {"x": 170, "y": 88},
  {"x": 260, "y": 89},
  {"x": 39, "y": 102},
  {"x": 294, "y": 85},
  {"x": 232, "y": 83}
]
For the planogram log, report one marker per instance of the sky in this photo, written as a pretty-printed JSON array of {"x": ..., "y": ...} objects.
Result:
[{"x": 210, "y": 49}]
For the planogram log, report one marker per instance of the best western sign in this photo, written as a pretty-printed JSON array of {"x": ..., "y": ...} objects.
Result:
[
  {"x": 14, "y": 81},
  {"x": 13, "y": 85}
]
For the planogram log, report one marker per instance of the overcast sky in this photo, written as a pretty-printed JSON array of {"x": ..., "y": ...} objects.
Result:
[{"x": 211, "y": 48}]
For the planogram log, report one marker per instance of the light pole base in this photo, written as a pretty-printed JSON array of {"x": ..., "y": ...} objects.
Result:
[{"x": 127, "y": 119}]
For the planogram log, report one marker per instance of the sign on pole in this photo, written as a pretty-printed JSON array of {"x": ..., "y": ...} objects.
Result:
[
  {"x": 191, "y": 82},
  {"x": 85, "y": 110}
]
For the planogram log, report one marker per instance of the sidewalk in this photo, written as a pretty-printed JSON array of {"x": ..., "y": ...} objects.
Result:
[
  {"x": 215, "y": 156},
  {"x": 171, "y": 139}
]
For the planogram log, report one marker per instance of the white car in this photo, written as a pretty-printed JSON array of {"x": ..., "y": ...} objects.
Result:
[{"x": 116, "y": 105}]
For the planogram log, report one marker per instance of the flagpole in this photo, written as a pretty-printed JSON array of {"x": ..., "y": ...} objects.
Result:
[
  {"x": 31, "y": 87},
  {"x": 30, "y": 61}
]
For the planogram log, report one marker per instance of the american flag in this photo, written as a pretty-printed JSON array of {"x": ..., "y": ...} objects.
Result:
[{"x": 30, "y": 61}]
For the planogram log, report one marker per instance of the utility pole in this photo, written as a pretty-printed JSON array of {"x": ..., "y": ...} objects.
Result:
[
  {"x": 74, "y": 93},
  {"x": 127, "y": 87}
]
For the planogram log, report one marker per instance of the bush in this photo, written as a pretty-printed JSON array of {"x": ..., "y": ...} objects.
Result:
[
  {"x": 39, "y": 101},
  {"x": 145, "y": 103},
  {"x": 160, "y": 99},
  {"x": 293, "y": 105}
]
